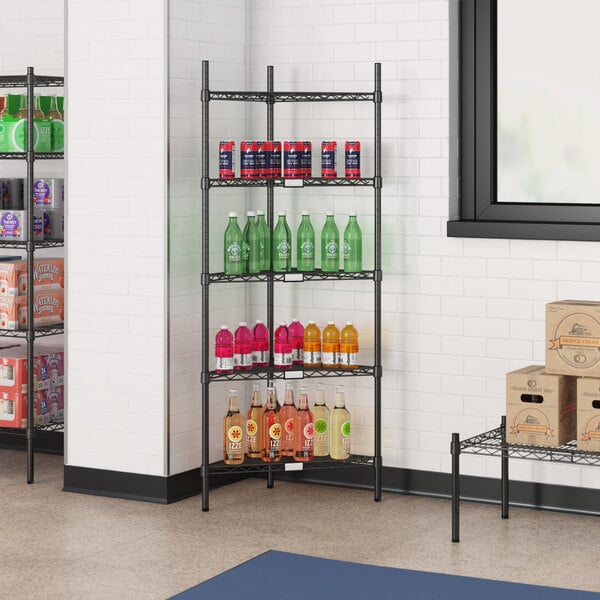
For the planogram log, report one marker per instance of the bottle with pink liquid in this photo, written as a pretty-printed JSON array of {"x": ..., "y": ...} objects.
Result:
[
  {"x": 287, "y": 415},
  {"x": 304, "y": 430},
  {"x": 224, "y": 350},
  {"x": 260, "y": 345},
  {"x": 296, "y": 331},
  {"x": 242, "y": 348},
  {"x": 282, "y": 348}
]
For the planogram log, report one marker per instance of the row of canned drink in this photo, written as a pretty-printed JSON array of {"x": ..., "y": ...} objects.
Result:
[{"x": 262, "y": 160}]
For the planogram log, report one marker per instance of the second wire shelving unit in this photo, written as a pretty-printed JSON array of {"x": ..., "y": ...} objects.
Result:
[{"x": 270, "y": 98}]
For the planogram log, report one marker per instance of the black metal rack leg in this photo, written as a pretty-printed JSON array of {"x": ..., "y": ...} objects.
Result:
[
  {"x": 205, "y": 484},
  {"x": 270, "y": 478},
  {"x": 504, "y": 460},
  {"x": 455, "y": 450}
]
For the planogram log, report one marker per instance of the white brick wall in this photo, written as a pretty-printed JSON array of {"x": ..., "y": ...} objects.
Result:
[{"x": 116, "y": 235}]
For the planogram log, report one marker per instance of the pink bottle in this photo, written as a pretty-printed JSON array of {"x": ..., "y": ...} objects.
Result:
[
  {"x": 224, "y": 350},
  {"x": 242, "y": 348},
  {"x": 296, "y": 331},
  {"x": 260, "y": 346},
  {"x": 282, "y": 350}
]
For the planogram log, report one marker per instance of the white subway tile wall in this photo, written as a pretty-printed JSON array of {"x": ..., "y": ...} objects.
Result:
[{"x": 116, "y": 235}]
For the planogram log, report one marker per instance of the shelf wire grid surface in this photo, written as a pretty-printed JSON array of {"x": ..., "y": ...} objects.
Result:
[
  {"x": 255, "y": 465},
  {"x": 38, "y": 155},
  {"x": 6, "y": 243},
  {"x": 292, "y": 96},
  {"x": 293, "y": 373},
  {"x": 490, "y": 443},
  {"x": 293, "y": 183},
  {"x": 44, "y": 331},
  {"x": 19, "y": 81},
  {"x": 293, "y": 276},
  {"x": 47, "y": 428}
]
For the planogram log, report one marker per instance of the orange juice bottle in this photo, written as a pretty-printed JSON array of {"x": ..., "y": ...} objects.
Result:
[
  {"x": 312, "y": 345},
  {"x": 330, "y": 353},
  {"x": 349, "y": 347}
]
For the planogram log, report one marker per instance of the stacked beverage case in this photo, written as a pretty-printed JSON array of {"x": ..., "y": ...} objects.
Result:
[
  {"x": 272, "y": 431},
  {"x": 293, "y": 345},
  {"x": 249, "y": 250}
]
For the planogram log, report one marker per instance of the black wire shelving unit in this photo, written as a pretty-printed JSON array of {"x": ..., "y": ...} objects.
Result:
[
  {"x": 270, "y": 97},
  {"x": 30, "y": 82},
  {"x": 493, "y": 443}
]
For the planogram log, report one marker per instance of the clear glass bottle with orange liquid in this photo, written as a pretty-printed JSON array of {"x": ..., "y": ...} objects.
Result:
[
  {"x": 349, "y": 347},
  {"x": 339, "y": 436},
  {"x": 312, "y": 345},
  {"x": 253, "y": 421},
  {"x": 271, "y": 429},
  {"x": 330, "y": 346},
  {"x": 287, "y": 415},
  {"x": 304, "y": 429},
  {"x": 321, "y": 417},
  {"x": 233, "y": 432}
]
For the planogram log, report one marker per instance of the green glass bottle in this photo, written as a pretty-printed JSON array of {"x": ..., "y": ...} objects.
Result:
[
  {"x": 282, "y": 245},
  {"x": 352, "y": 246},
  {"x": 305, "y": 244},
  {"x": 245, "y": 247},
  {"x": 233, "y": 247},
  {"x": 330, "y": 245},
  {"x": 253, "y": 240},
  {"x": 265, "y": 241}
]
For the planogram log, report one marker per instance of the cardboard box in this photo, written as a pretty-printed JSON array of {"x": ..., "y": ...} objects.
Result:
[
  {"x": 10, "y": 267},
  {"x": 12, "y": 194},
  {"x": 49, "y": 193},
  {"x": 588, "y": 414},
  {"x": 48, "y": 275},
  {"x": 13, "y": 225},
  {"x": 48, "y": 369},
  {"x": 48, "y": 309},
  {"x": 573, "y": 338},
  {"x": 54, "y": 225},
  {"x": 13, "y": 134},
  {"x": 46, "y": 408},
  {"x": 541, "y": 408}
]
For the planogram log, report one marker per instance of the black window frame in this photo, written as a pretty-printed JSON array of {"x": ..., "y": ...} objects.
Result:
[{"x": 479, "y": 215}]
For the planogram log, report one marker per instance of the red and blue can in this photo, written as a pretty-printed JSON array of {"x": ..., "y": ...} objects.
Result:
[
  {"x": 262, "y": 150},
  {"x": 352, "y": 160},
  {"x": 306, "y": 159},
  {"x": 248, "y": 160},
  {"x": 328, "y": 152},
  {"x": 226, "y": 160},
  {"x": 274, "y": 162},
  {"x": 292, "y": 152}
]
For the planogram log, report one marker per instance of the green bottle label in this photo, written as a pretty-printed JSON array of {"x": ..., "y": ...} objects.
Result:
[
  {"x": 57, "y": 135},
  {"x": 321, "y": 426},
  {"x": 308, "y": 249},
  {"x": 346, "y": 429},
  {"x": 234, "y": 252},
  {"x": 347, "y": 250},
  {"x": 283, "y": 250},
  {"x": 331, "y": 249},
  {"x": 245, "y": 250}
]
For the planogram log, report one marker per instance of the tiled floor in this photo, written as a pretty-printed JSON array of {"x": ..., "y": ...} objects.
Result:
[{"x": 70, "y": 546}]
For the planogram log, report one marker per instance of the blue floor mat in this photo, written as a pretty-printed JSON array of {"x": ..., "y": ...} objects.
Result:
[{"x": 283, "y": 576}]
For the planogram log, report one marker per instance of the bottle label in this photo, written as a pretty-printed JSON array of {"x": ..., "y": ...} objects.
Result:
[
  {"x": 345, "y": 429},
  {"x": 260, "y": 356},
  {"x": 298, "y": 355},
  {"x": 234, "y": 252},
  {"x": 283, "y": 359},
  {"x": 312, "y": 357},
  {"x": 321, "y": 428},
  {"x": 245, "y": 250},
  {"x": 307, "y": 249},
  {"x": 234, "y": 434},
  {"x": 331, "y": 249},
  {"x": 224, "y": 363},
  {"x": 251, "y": 434},
  {"x": 275, "y": 434},
  {"x": 309, "y": 432},
  {"x": 242, "y": 360},
  {"x": 348, "y": 358},
  {"x": 347, "y": 250},
  {"x": 289, "y": 430},
  {"x": 283, "y": 250},
  {"x": 330, "y": 358}
]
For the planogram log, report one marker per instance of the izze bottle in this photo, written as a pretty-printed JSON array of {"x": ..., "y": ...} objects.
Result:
[
  {"x": 287, "y": 415},
  {"x": 224, "y": 350},
  {"x": 304, "y": 430},
  {"x": 253, "y": 422},
  {"x": 233, "y": 432},
  {"x": 242, "y": 348},
  {"x": 270, "y": 428}
]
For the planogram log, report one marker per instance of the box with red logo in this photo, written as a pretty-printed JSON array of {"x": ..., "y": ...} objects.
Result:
[
  {"x": 48, "y": 275},
  {"x": 9, "y": 275},
  {"x": 13, "y": 371},
  {"x": 48, "y": 407},
  {"x": 48, "y": 309}
]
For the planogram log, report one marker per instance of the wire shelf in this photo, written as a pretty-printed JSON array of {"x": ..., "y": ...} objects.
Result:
[
  {"x": 293, "y": 183},
  {"x": 18, "y": 81},
  {"x": 292, "y": 96},
  {"x": 490, "y": 443},
  {"x": 293, "y": 373},
  {"x": 294, "y": 276},
  {"x": 37, "y": 155},
  {"x": 39, "y": 331},
  {"x": 254, "y": 465},
  {"x": 38, "y": 244},
  {"x": 47, "y": 428}
]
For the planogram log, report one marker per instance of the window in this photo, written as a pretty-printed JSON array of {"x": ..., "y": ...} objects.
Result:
[{"x": 528, "y": 120}]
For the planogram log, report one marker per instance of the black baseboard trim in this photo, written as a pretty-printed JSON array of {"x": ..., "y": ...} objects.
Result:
[
  {"x": 46, "y": 442},
  {"x": 164, "y": 490},
  {"x": 134, "y": 486}
]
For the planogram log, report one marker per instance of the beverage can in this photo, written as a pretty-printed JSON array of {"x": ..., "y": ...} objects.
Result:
[
  {"x": 248, "y": 160},
  {"x": 306, "y": 159},
  {"x": 261, "y": 160},
  {"x": 226, "y": 160},
  {"x": 291, "y": 160},
  {"x": 275, "y": 163},
  {"x": 328, "y": 163},
  {"x": 352, "y": 160}
]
